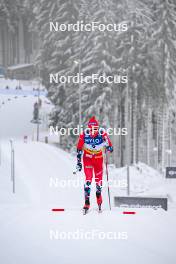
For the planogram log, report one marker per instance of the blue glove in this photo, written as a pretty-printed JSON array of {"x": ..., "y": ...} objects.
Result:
[
  {"x": 79, "y": 166},
  {"x": 109, "y": 148}
]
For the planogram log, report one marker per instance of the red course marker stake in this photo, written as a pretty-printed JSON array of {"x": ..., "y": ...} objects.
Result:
[
  {"x": 129, "y": 212},
  {"x": 58, "y": 210}
]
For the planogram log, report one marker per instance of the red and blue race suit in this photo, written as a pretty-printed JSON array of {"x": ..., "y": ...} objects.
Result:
[{"x": 92, "y": 146}]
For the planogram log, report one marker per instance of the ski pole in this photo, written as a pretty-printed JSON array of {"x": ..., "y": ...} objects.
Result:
[{"x": 107, "y": 175}]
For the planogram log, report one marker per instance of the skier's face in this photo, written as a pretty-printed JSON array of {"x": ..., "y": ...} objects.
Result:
[{"x": 94, "y": 130}]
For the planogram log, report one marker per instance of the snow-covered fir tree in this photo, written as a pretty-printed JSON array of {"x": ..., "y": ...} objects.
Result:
[{"x": 146, "y": 52}]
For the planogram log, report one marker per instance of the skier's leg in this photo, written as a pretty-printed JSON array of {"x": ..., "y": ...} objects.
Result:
[
  {"x": 88, "y": 170},
  {"x": 87, "y": 189},
  {"x": 98, "y": 194},
  {"x": 98, "y": 169}
]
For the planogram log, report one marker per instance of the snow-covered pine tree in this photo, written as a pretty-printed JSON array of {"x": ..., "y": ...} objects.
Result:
[
  {"x": 10, "y": 10},
  {"x": 163, "y": 43},
  {"x": 137, "y": 51},
  {"x": 55, "y": 50},
  {"x": 96, "y": 52},
  {"x": 134, "y": 53}
]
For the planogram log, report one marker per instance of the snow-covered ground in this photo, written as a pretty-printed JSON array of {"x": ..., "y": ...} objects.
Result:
[
  {"x": 146, "y": 181},
  {"x": 24, "y": 84},
  {"x": 31, "y": 233}
]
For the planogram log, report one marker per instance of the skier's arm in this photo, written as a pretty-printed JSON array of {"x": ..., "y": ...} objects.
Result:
[
  {"x": 79, "y": 151},
  {"x": 108, "y": 142},
  {"x": 80, "y": 143}
]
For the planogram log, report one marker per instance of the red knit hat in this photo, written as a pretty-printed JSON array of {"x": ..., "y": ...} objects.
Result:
[{"x": 93, "y": 122}]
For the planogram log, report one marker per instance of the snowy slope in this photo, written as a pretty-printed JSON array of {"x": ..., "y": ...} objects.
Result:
[
  {"x": 17, "y": 123},
  {"x": 26, "y": 218},
  {"x": 27, "y": 222},
  {"x": 145, "y": 181}
]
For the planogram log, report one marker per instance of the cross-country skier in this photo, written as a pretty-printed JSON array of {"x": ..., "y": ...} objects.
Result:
[{"x": 91, "y": 144}]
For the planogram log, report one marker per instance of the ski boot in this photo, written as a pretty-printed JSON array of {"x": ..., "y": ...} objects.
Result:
[{"x": 86, "y": 208}]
